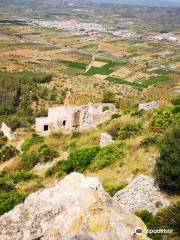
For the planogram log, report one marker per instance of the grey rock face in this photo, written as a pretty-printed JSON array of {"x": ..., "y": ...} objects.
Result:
[
  {"x": 75, "y": 208},
  {"x": 105, "y": 139},
  {"x": 142, "y": 193}
]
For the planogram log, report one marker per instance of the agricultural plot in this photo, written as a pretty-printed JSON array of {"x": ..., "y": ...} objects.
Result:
[
  {"x": 143, "y": 84},
  {"x": 106, "y": 69}
]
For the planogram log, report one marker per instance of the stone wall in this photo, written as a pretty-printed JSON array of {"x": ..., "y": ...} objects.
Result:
[
  {"x": 142, "y": 193},
  {"x": 7, "y": 132}
]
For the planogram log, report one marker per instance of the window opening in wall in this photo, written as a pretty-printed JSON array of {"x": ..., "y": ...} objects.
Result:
[{"x": 46, "y": 127}]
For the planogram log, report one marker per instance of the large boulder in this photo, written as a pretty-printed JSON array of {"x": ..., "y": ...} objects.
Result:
[
  {"x": 75, "y": 208},
  {"x": 141, "y": 194},
  {"x": 105, "y": 139}
]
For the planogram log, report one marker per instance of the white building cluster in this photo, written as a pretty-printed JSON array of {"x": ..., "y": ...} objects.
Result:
[{"x": 73, "y": 26}]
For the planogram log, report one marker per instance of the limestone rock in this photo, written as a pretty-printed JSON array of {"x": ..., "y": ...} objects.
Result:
[
  {"x": 75, "y": 208},
  {"x": 105, "y": 139},
  {"x": 142, "y": 193}
]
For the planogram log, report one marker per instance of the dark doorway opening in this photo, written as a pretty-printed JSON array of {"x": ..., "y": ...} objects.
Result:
[
  {"x": 64, "y": 123},
  {"x": 46, "y": 128}
]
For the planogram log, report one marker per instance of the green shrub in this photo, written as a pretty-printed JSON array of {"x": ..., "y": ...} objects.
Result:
[
  {"x": 80, "y": 159},
  {"x": 167, "y": 168},
  {"x": 115, "y": 115},
  {"x": 112, "y": 189},
  {"x": 151, "y": 140},
  {"x": 3, "y": 139},
  {"x": 107, "y": 155},
  {"x": 42, "y": 113},
  {"x": 151, "y": 222},
  {"x": 129, "y": 130},
  {"x": 176, "y": 110},
  {"x": 113, "y": 128},
  {"x": 16, "y": 177},
  {"x": 109, "y": 96},
  {"x": 162, "y": 119},
  {"x": 6, "y": 185},
  {"x": 8, "y": 200},
  {"x": 29, "y": 142},
  {"x": 54, "y": 169},
  {"x": 105, "y": 108},
  {"x": 46, "y": 153},
  {"x": 75, "y": 134},
  {"x": 176, "y": 101},
  {"x": 29, "y": 159},
  {"x": 7, "y": 152},
  {"x": 169, "y": 218},
  {"x": 8, "y": 180},
  {"x": 137, "y": 113},
  {"x": 13, "y": 122}
]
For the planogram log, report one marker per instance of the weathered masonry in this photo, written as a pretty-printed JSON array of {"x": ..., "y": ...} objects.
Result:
[
  {"x": 7, "y": 132},
  {"x": 72, "y": 118}
]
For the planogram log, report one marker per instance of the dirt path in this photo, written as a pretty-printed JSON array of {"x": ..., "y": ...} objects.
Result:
[{"x": 93, "y": 58}]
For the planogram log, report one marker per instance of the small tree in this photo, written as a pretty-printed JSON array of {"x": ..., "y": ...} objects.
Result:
[
  {"x": 168, "y": 164},
  {"x": 109, "y": 96}
]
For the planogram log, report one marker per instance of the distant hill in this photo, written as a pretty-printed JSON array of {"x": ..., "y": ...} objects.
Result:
[
  {"x": 155, "y": 3},
  {"x": 152, "y": 3}
]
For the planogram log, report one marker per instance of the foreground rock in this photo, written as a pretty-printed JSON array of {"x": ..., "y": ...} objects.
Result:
[
  {"x": 142, "y": 193},
  {"x": 75, "y": 208}
]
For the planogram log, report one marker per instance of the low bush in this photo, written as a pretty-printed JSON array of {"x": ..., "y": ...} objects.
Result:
[
  {"x": 7, "y": 152},
  {"x": 16, "y": 177},
  {"x": 137, "y": 113},
  {"x": 29, "y": 159},
  {"x": 169, "y": 218},
  {"x": 151, "y": 140},
  {"x": 115, "y": 115},
  {"x": 29, "y": 142},
  {"x": 46, "y": 153},
  {"x": 3, "y": 139},
  {"x": 105, "y": 108},
  {"x": 112, "y": 189},
  {"x": 113, "y": 128},
  {"x": 128, "y": 130},
  {"x": 162, "y": 119},
  {"x": 151, "y": 222},
  {"x": 54, "y": 169},
  {"x": 176, "y": 101},
  {"x": 107, "y": 155},
  {"x": 6, "y": 185},
  {"x": 13, "y": 122},
  {"x": 109, "y": 96},
  {"x": 75, "y": 134},
  {"x": 8, "y": 180},
  {"x": 8, "y": 200},
  {"x": 80, "y": 159},
  {"x": 42, "y": 113}
]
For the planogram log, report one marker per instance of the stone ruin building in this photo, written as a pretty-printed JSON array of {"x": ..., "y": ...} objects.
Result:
[
  {"x": 7, "y": 131},
  {"x": 74, "y": 118}
]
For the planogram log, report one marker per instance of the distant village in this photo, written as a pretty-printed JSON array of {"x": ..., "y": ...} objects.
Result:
[{"x": 96, "y": 30}]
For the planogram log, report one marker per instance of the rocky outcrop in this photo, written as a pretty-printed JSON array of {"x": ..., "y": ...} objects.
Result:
[
  {"x": 105, "y": 139},
  {"x": 75, "y": 208},
  {"x": 142, "y": 193}
]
